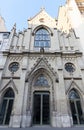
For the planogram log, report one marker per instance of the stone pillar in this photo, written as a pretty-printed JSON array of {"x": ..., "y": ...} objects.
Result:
[
  {"x": 16, "y": 119},
  {"x": 54, "y": 112},
  {"x": 23, "y": 122},
  {"x": 63, "y": 119},
  {"x": 26, "y": 117},
  {"x": 83, "y": 105}
]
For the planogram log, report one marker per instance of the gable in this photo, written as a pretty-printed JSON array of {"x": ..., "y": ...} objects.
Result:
[
  {"x": 41, "y": 63},
  {"x": 74, "y": 85},
  {"x": 10, "y": 84},
  {"x": 43, "y": 18}
]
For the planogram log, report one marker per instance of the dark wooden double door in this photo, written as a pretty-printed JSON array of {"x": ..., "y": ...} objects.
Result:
[{"x": 41, "y": 108}]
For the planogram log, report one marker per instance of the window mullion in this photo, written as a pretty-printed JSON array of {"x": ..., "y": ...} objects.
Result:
[{"x": 77, "y": 115}]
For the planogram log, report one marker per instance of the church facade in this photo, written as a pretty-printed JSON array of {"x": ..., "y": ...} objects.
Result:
[{"x": 41, "y": 76}]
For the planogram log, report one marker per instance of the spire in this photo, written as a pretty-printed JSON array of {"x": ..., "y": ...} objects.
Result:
[
  {"x": 2, "y": 24},
  {"x": 14, "y": 27}
]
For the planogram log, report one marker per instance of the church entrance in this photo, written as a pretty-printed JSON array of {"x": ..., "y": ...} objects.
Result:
[
  {"x": 76, "y": 109},
  {"x": 41, "y": 108}
]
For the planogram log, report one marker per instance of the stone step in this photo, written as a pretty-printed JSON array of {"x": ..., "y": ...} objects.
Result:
[{"x": 45, "y": 128}]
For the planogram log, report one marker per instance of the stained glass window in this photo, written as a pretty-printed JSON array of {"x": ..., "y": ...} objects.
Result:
[
  {"x": 42, "y": 38},
  {"x": 13, "y": 67},
  {"x": 41, "y": 81},
  {"x": 69, "y": 67},
  {"x": 73, "y": 95}
]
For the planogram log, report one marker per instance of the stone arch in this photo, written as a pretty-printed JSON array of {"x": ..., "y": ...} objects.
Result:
[
  {"x": 42, "y": 63},
  {"x": 76, "y": 91},
  {"x": 41, "y": 71},
  {"x": 9, "y": 84},
  {"x": 5, "y": 90},
  {"x": 31, "y": 90},
  {"x": 73, "y": 85},
  {"x": 42, "y": 26}
]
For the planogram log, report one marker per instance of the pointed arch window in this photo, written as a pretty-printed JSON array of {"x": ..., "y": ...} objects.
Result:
[
  {"x": 41, "y": 81},
  {"x": 42, "y": 38},
  {"x": 76, "y": 109},
  {"x": 6, "y": 107},
  {"x": 73, "y": 95}
]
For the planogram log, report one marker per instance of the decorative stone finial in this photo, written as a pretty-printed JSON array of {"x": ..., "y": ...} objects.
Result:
[
  {"x": 42, "y": 8},
  {"x": 14, "y": 26}
]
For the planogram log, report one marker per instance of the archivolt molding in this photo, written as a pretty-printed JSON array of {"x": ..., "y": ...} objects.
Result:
[
  {"x": 41, "y": 67},
  {"x": 42, "y": 26},
  {"x": 73, "y": 85},
  {"x": 41, "y": 63},
  {"x": 10, "y": 84}
]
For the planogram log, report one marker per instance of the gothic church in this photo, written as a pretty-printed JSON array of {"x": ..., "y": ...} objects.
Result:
[{"x": 41, "y": 74}]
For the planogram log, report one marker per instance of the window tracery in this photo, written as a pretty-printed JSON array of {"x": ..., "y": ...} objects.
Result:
[
  {"x": 41, "y": 81},
  {"x": 42, "y": 38}
]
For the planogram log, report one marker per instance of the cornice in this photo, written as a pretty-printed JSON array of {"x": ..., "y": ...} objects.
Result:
[
  {"x": 57, "y": 53},
  {"x": 8, "y": 77}
]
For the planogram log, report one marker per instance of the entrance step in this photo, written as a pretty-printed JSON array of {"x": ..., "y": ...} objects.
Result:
[{"x": 45, "y": 128}]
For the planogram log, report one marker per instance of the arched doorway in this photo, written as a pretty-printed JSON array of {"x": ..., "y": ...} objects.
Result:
[
  {"x": 75, "y": 105},
  {"x": 6, "y": 107},
  {"x": 41, "y": 102}
]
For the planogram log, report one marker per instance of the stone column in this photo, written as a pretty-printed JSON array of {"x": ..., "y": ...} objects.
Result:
[
  {"x": 18, "y": 103},
  {"x": 63, "y": 119},
  {"x": 26, "y": 117},
  {"x": 54, "y": 112},
  {"x": 23, "y": 122},
  {"x": 18, "y": 109}
]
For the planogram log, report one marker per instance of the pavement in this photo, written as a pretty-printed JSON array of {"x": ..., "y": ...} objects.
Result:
[{"x": 45, "y": 128}]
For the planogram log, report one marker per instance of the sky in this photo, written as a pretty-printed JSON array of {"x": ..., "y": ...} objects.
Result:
[{"x": 19, "y": 11}]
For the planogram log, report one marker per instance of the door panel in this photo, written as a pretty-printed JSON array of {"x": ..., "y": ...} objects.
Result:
[
  {"x": 79, "y": 111},
  {"x": 9, "y": 109},
  {"x": 36, "y": 109},
  {"x": 73, "y": 111},
  {"x": 46, "y": 111}
]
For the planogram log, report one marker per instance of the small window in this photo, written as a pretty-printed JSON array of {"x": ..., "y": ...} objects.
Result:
[
  {"x": 69, "y": 67},
  {"x": 6, "y": 35},
  {"x": 13, "y": 67},
  {"x": 0, "y": 42},
  {"x": 42, "y": 38},
  {"x": 41, "y": 81}
]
